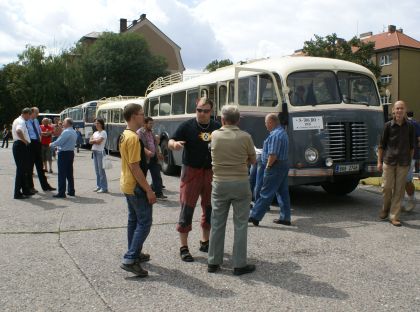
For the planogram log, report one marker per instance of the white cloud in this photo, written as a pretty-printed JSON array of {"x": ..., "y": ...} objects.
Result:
[{"x": 205, "y": 30}]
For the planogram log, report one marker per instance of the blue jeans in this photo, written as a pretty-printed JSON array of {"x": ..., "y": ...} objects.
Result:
[
  {"x": 253, "y": 176},
  {"x": 65, "y": 172},
  {"x": 275, "y": 183},
  {"x": 258, "y": 180},
  {"x": 139, "y": 223},
  {"x": 101, "y": 181},
  {"x": 154, "y": 168}
]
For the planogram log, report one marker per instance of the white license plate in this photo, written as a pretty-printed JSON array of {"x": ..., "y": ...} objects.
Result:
[{"x": 346, "y": 168}]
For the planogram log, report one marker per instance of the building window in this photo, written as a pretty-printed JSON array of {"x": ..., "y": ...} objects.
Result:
[
  {"x": 386, "y": 79},
  {"x": 385, "y": 60},
  {"x": 385, "y": 100}
]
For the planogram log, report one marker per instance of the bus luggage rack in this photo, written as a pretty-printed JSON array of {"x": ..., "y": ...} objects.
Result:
[
  {"x": 164, "y": 82},
  {"x": 347, "y": 141}
]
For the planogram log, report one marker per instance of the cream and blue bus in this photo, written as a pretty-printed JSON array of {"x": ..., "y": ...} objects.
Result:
[
  {"x": 330, "y": 108},
  {"x": 111, "y": 111},
  {"x": 83, "y": 116}
]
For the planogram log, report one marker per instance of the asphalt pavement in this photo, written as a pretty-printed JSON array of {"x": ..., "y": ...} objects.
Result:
[{"x": 64, "y": 254}]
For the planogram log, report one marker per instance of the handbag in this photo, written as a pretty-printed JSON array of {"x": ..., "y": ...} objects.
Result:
[{"x": 106, "y": 162}]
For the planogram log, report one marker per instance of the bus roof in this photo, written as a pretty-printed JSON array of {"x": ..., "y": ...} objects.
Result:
[
  {"x": 121, "y": 103},
  {"x": 281, "y": 65}
]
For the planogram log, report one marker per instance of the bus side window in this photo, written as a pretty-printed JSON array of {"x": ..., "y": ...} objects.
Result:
[
  {"x": 146, "y": 107},
  {"x": 204, "y": 93},
  {"x": 267, "y": 95},
  {"x": 192, "y": 96},
  {"x": 231, "y": 97},
  {"x": 248, "y": 91},
  {"x": 178, "y": 103},
  {"x": 154, "y": 107},
  {"x": 116, "y": 116},
  {"x": 165, "y": 105},
  {"x": 222, "y": 96}
]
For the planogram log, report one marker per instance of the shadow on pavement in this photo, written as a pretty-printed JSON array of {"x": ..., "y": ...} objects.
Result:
[
  {"x": 284, "y": 275},
  {"x": 179, "y": 279}
]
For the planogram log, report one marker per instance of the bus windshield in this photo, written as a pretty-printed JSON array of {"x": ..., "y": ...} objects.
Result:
[
  {"x": 357, "y": 89},
  {"x": 325, "y": 87},
  {"x": 90, "y": 114}
]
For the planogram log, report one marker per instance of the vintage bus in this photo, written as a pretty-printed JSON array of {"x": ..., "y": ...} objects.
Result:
[
  {"x": 83, "y": 116},
  {"x": 51, "y": 116},
  {"x": 330, "y": 109},
  {"x": 111, "y": 111}
]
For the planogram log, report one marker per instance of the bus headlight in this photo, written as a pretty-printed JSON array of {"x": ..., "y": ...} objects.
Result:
[
  {"x": 329, "y": 162},
  {"x": 311, "y": 155}
]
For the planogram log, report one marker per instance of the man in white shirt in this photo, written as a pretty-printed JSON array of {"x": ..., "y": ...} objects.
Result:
[{"x": 21, "y": 154}]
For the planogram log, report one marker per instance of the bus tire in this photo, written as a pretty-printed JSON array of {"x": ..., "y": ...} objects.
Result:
[
  {"x": 167, "y": 164},
  {"x": 341, "y": 186}
]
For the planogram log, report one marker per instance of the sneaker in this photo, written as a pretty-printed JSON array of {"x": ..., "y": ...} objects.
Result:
[
  {"x": 161, "y": 196},
  {"x": 411, "y": 203},
  {"x": 96, "y": 189},
  {"x": 102, "y": 191},
  {"x": 134, "y": 268},
  {"x": 144, "y": 257}
]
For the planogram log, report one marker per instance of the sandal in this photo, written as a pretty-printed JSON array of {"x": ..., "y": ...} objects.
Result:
[
  {"x": 185, "y": 254},
  {"x": 204, "y": 246}
]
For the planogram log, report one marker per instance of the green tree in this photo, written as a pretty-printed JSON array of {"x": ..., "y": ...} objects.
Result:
[
  {"x": 353, "y": 50},
  {"x": 212, "y": 66},
  {"x": 119, "y": 64}
]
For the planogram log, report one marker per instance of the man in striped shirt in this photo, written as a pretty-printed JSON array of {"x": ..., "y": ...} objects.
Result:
[{"x": 275, "y": 169}]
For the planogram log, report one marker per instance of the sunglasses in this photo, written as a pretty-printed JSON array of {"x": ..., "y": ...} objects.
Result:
[{"x": 201, "y": 110}]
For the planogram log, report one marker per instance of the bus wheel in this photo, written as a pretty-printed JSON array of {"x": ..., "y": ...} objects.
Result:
[
  {"x": 167, "y": 167},
  {"x": 341, "y": 186}
]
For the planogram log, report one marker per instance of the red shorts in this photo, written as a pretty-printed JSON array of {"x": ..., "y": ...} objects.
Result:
[{"x": 194, "y": 182}]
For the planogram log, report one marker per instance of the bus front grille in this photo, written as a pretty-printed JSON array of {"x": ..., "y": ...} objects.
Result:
[{"x": 347, "y": 141}]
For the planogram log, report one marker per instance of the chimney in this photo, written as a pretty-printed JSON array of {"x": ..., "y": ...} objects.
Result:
[
  {"x": 366, "y": 35},
  {"x": 134, "y": 22},
  {"x": 400, "y": 30},
  {"x": 123, "y": 25},
  {"x": 392, "y": 28},
  {"x": 142, "y": 17}
]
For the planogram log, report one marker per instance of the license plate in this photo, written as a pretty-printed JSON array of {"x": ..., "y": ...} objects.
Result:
[{"x": 346, "y": 168}]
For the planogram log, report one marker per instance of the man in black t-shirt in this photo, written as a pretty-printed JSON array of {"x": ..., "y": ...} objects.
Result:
[{"x": 194, "y": 136}]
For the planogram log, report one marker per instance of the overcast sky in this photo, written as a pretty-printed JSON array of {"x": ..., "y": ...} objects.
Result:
[{"x": 204, "y": 29}]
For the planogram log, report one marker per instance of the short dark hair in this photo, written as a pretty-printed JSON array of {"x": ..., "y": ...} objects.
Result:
[
  {"x": 101, "y": 121},
  {"x": 205, "y": 101},
  {"x": 26, "y": 110},
  {"x": 148, "y": 119},
  {"x": 130, "y": 110}
]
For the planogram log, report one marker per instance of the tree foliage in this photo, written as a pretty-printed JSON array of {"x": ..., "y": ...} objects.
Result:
[
  {"x": 115, "y": 64},
  {"x": 212, "y": 66},
  {"x": 354, "y": 50}
]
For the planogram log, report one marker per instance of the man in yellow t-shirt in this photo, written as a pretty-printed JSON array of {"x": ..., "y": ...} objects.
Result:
[{"x": 137, "y": 191}]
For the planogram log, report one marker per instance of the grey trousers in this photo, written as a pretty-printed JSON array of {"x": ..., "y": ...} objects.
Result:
[{"x": 223, "y": 195}]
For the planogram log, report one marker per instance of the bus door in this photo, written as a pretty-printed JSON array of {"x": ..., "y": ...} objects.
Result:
[{"x": 210, "y": 92}]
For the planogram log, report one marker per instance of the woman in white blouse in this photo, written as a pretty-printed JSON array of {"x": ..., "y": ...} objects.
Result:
[{"x": 98, "y": 140}]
